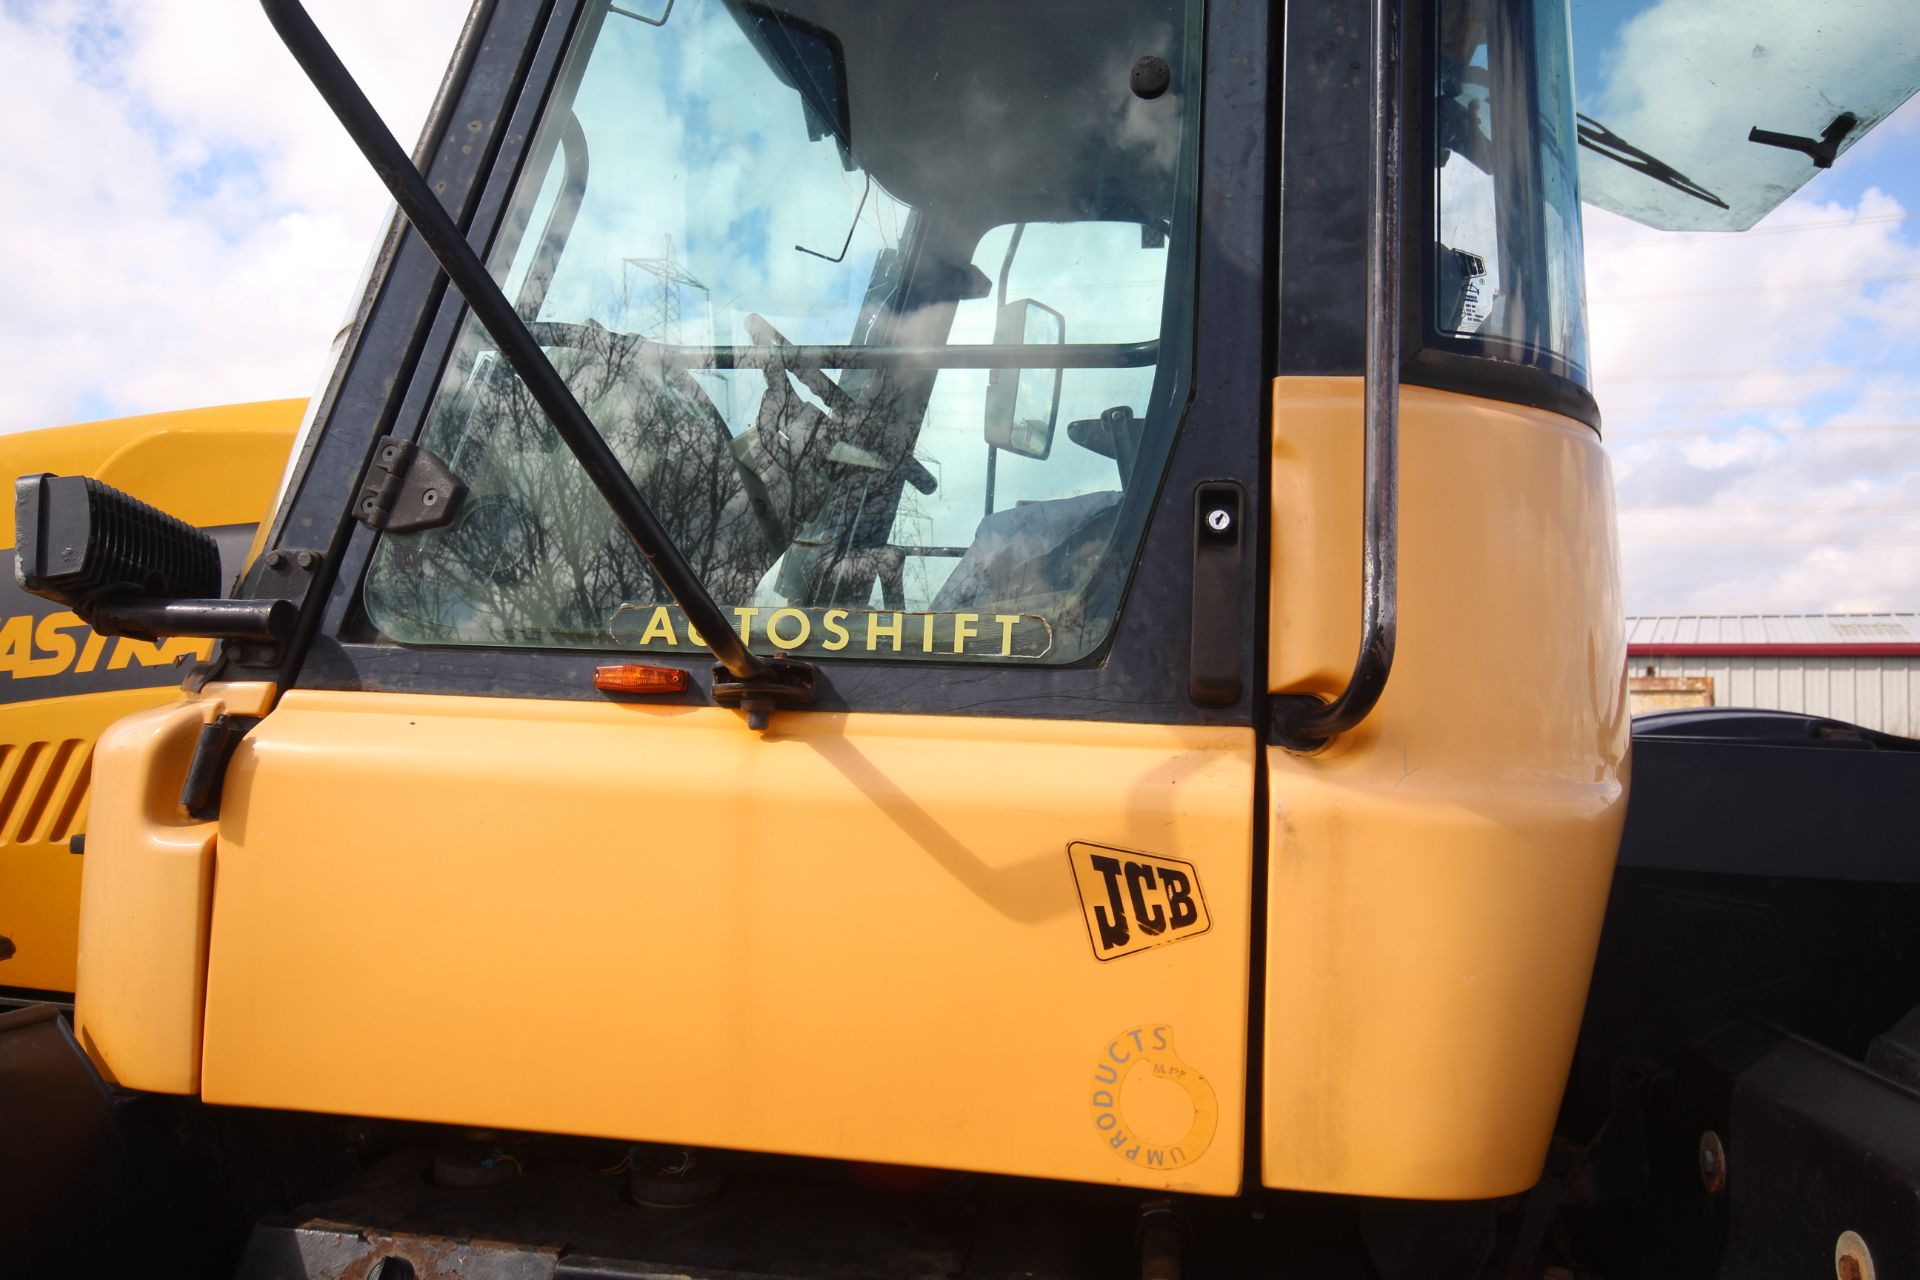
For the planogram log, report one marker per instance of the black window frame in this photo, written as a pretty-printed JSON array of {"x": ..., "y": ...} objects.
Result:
[{"x": 390, "y": 370}]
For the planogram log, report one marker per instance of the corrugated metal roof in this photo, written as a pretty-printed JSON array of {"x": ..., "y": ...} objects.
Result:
[{"x": 1776, "y": 628}]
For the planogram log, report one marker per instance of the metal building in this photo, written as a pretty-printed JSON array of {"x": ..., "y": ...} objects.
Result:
[{"x": 1859, "y": 667}]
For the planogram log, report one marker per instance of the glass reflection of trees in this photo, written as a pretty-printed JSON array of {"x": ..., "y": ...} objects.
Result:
[{"x": 535, "y": 557}]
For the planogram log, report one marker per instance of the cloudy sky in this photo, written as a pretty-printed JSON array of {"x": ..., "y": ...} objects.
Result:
[{"x": 181, "y": 223}]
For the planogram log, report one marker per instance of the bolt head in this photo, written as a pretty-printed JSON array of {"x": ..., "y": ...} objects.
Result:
[
  {"x": 1150, "y": 77},
  {"x": 308, "y": 559}
]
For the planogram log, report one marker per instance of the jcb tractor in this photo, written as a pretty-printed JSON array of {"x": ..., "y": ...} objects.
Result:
[{"x": 980, "y": 639}]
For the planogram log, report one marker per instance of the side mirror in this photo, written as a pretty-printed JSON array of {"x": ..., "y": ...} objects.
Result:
[
  {"x": 1022, "y": 404},
  {"x": 128, "y": 569}
]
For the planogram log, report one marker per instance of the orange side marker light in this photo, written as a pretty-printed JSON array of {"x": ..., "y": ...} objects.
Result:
[{"x": 639, "y": 677}]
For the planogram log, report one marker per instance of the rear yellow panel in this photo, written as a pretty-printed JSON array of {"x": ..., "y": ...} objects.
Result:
[
  {"x": 46, "y": 785},
  {"x": 860, "y": 936},
  {"x": 61, "y": 684},
  {"x": 1439, "y": 875},
  {"x": 143, "y": 934}
]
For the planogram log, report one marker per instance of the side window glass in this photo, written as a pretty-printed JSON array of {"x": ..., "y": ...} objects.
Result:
[
  {"x": 884, "y": 334},
  {"x": 1507, "y": 257},
  {"x": 1068, "y": 438}
]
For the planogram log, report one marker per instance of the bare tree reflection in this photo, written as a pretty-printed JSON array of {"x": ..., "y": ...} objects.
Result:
[{"x": 535, "y": 555}]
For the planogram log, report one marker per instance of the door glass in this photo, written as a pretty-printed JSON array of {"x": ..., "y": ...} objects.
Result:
[
  {"x": 1029, "y": 530},
  {"x": 886, "y": 309}
]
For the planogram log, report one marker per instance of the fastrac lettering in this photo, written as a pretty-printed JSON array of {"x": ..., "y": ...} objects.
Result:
[{"x": 58, "y": 644}]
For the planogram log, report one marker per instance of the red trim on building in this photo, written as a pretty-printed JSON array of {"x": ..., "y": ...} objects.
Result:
[{"x": 1883, "y": 649}]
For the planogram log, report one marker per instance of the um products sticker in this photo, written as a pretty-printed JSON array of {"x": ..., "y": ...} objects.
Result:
[{"x": 1149, "y": 1107}]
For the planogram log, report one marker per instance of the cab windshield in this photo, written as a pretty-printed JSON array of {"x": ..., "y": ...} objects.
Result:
[{"x": 887, "y": 309}]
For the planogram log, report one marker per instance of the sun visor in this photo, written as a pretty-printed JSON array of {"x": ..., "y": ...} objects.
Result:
[{"x": 1702, "y": 115}]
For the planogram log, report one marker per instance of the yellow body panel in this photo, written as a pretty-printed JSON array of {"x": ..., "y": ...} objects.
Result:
[
  {"x": 147, "y": 897},
  {"x": 1438, "y": 876},
  {"x": 205, "y": 466},
  {"x": 865, "y": 936},
  {"x": 61, "y": 684},
  {"x": 857, "y": 936},
  {"x": 47, "y": 775}
]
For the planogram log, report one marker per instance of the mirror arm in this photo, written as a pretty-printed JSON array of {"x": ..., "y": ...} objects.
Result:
[
  {"x": 1006, "y": 263},
  {"x": 147, "y": 618},
  {"x": 1302, "y": 722}
]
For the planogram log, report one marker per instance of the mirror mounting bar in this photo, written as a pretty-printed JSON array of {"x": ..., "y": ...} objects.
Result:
[
  {"x": 129, "y": 569},
  {"x": 755, "y": 681},
  {"x": 1302, "y": 722}
]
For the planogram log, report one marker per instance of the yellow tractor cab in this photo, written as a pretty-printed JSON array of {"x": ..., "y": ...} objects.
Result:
[{"x": 957, "y": 639}]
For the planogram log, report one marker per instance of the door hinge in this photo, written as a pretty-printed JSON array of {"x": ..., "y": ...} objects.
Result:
[{"x": 407, "y": 488}]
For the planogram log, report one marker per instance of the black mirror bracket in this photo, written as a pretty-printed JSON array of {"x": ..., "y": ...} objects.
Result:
[
  {"x": 784, "y": 683},
  {"x": 283, "y": 575}
]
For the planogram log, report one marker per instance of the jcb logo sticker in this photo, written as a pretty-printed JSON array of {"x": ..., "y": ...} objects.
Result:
[{"x": 1134, "y": 901}]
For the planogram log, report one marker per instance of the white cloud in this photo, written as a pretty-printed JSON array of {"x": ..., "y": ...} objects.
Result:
[
  {"x": 183, "y": 221},
  {"x": 1687, "y": 79},
  {"x": 1764, "y": 420}
]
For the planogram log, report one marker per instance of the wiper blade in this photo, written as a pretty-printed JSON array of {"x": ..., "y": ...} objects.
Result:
[
  {"x": 756, "y": 683},
  {"x": 1601, "y": 140}
]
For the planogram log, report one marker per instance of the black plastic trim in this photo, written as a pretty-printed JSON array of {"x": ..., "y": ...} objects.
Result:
[
  {"x": 1489, "y": 375},
  {"x": 1768, "y": 793},
  {"x": 1322, "y": 233},
  {"x": 1253, "y": 1133}
]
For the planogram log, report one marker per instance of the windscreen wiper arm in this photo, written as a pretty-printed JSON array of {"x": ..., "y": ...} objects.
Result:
[
  {"x": 757, "y": 684},
  {"x": 1596, "y": 137}
]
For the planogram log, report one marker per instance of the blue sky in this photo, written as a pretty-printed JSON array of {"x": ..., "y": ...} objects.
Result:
[
  {"x": 1762, "y": 395},
  {"x": 183, "y": 224}
]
